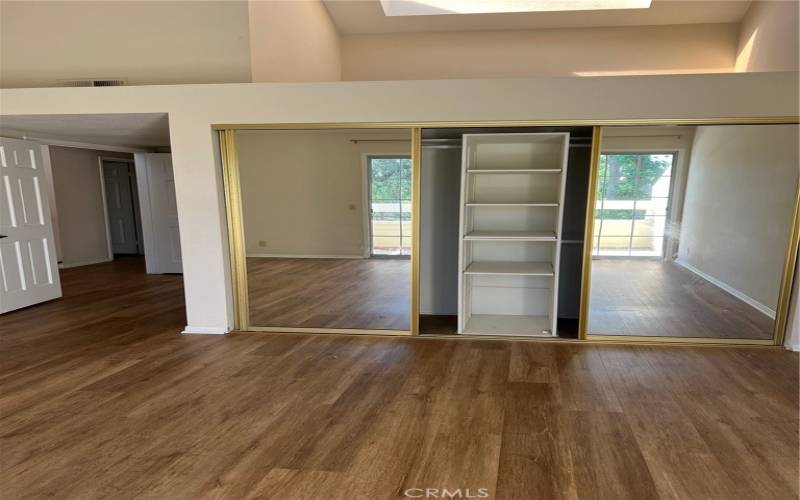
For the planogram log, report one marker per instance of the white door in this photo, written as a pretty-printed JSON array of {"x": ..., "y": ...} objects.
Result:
[
  {"x": 118, "y": 179},
  {"x": 28, "y": 266},
  {"x": 159, "y": 213}
]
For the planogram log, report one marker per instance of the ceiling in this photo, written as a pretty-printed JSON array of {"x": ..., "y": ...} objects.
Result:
[
  {"x": 146, "y": 130},
  {"x": 367, "y": 17}
]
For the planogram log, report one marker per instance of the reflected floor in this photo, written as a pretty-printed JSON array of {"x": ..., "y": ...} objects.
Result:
[
  {"x": 329, "y": 293},
  {"x": 654, "y": 298}
]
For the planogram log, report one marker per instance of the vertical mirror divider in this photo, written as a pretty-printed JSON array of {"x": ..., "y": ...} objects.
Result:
[
  {"x": 788, "y": 277},
  {"x": 233, "y": 203},
  {"x": 416, "y": 174},
  {"x": 586, "y": 270}
]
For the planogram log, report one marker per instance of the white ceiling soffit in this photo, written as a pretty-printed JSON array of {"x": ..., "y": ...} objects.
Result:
[
  {"x": 147, "y": 130},
  {"x": 444, "y": 7},
  {"x": 367, "y": 17}
]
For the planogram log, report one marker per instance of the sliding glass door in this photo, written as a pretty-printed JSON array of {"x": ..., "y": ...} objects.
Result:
[
  {"x": 633, "y": 201},
  {"x": 389, "y": 206}
]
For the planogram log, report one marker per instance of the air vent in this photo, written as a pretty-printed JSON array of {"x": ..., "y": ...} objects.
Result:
[{"x": 93, "y": 83}]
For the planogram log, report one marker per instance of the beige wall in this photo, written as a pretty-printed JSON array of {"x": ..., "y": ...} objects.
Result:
[
  {"x": 79, "y": 203},
  {"x": 739, "y": 203},
  {"x": 193, "y": 108},
  {"x": 302, "y": 191},
  {"x": 144, "y": 42},
  {"x": 768, "y": 39},
  {"x": 293, "y": 41},
  {"x": 558, "y": 52}
]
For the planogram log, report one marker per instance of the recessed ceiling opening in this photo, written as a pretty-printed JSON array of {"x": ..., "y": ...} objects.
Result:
[{"x": 439, "y": 7}]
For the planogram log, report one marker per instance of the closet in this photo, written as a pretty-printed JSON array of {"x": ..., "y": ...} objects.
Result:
[
  {"x": 496, "y": 206},
  {"x": 511, "y": 210}
]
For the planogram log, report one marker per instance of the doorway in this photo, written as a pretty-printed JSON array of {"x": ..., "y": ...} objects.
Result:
[
  {"x": 76, "y": 220},
  {"x": 122, "y": 207},
  {"x": 633, "y": 203},
  {"x": 389, "y": 192}
]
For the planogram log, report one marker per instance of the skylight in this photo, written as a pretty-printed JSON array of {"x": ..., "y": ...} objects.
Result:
[{"x": 439, "y": 7}]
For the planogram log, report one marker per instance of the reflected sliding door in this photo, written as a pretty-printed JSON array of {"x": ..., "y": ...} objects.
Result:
[{"x": 633, "y": 199}]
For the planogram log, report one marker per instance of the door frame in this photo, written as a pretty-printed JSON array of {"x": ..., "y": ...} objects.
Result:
[{"x": 137, "y": 214}]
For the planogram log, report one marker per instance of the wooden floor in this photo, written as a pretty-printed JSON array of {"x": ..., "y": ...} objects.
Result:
[
  {"x": 654, "y": 298},
  {"x": 330, "y": 293},
  {"x": 100, "y": 397}
]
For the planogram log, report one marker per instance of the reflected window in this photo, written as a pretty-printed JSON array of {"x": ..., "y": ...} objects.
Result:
[
  {"x": 632, "y": 204},
  {"x": 390, "y": 206}
]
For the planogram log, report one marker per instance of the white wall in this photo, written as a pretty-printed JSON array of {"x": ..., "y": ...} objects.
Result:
[
  {"x": 302, "y": 191},
  {"x": 144, "y": 42},
  {"x": 694, "y": 48},
  {"x": 768, "y": 37},
  {"x": 194, "y": 108},
  {"x": 739, "y": 204},
  {"x": 293, "y": 41},
  {"x": 77, "y": 184}
]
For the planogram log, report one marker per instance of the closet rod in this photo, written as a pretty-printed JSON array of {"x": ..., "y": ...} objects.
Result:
[
  {"x": 356, "y": 141},
  {"x": 676, "y": 136},
  {"x": 456, "y": 142}
]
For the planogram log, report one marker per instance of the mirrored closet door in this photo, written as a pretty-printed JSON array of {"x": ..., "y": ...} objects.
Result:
[
  {"x": 691, "y": 230},
  {"x": 327, "y": 226}
]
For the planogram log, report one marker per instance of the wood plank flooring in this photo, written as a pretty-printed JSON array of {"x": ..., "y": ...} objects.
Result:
[
  {"x": 653, "y": 298},
  {"x": 100, "y": 397},
  {"x": 330, "y": 293}
]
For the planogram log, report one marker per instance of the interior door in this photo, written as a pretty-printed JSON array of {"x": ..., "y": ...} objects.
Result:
[
  {"x": 28, "y": 266},
  {"x": 159, "y": 213},
  {"x": 118, "y": 180}
]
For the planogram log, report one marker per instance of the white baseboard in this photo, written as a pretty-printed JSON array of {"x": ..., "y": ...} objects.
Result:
[
  {"x": 204, "y": 330},
  {"x": 288, "y": 256},
  {"x": 736, "y": 293},
  {"x": 68, "y": 265},
  {"x": 793, "y": 347}
]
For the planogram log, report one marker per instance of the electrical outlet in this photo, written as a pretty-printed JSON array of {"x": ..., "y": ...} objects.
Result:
[{"x": 262, "y": 243}]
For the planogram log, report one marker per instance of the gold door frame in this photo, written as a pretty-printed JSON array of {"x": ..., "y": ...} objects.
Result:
[
  {"x": 238, "y": 265},
  {"x": 236, "y": 242},
  {"x": 786, "y": 284}
]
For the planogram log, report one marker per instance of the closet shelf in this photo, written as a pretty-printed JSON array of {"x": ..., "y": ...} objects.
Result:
[
  {"x": 514, "y": 171},
  {"x": 478, "y": 204},
  {"x": 511, "y": 268},
  {"x": 495, "y": 324},
  {"x": 511, "y": 235}
]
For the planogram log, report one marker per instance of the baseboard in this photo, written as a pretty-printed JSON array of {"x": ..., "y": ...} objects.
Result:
[
  {"x": 69, "y": 265},
  {"x": 204, "y": 330},
  {"x": 736, "y": 293},
  {"x": 793, "y": 347},
  {"x": 288, "y": 256}
]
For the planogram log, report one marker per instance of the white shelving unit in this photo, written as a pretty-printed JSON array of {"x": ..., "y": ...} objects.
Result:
[{"x": 512, "y": 190}]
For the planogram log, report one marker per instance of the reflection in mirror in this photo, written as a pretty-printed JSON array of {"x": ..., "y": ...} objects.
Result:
[
  {"x": 691, "y": 229},
  {"x": 327, "y": 226}
]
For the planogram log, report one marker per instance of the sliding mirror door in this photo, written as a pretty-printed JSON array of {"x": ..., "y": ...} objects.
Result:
[
  {"x": 691, "y": 230},
  {"x": 326, "y": 218}
]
